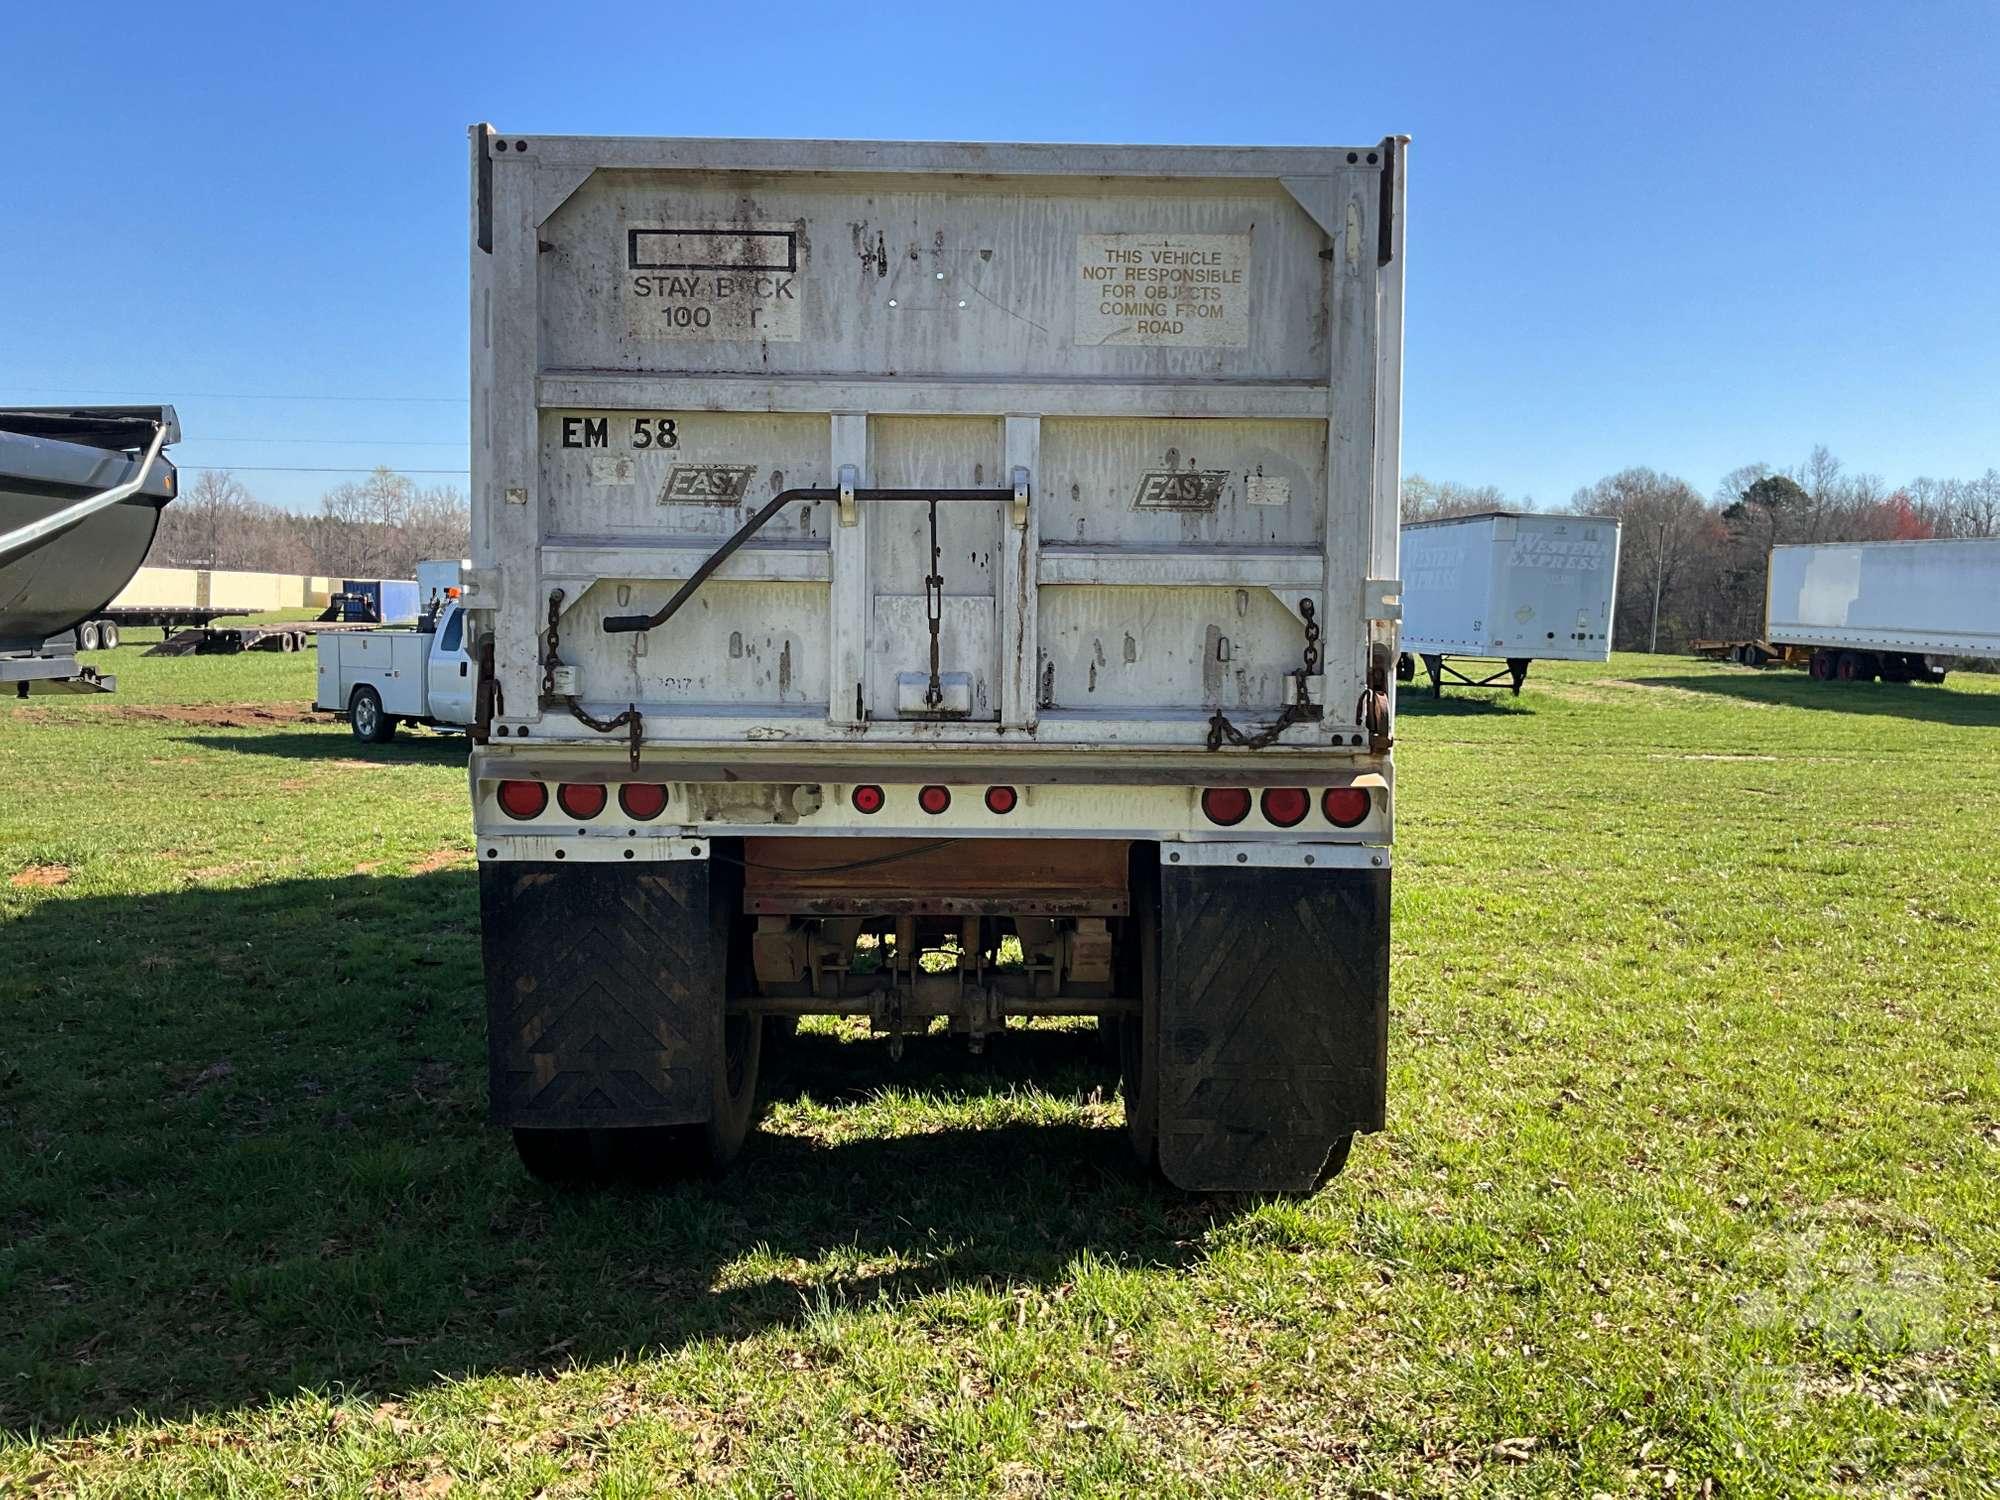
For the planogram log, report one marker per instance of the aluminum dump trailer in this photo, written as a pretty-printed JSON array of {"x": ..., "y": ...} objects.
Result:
[
  {"x": 943, "y": 584},
  {"x": 1507, "y": 588},
  {"x": 1893, "y": 610},
  {"x": 81, "y": 489}
]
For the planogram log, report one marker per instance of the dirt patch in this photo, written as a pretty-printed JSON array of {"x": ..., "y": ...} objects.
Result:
[
  {"x": 216, "y": 715},
  {"x": 438, "y": 859},
  {"x": 39, "y": 875},
  {"x": 219, "y": 872}
]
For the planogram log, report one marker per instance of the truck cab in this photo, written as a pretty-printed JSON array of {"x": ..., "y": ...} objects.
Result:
[{"x": 378, "y": 679}]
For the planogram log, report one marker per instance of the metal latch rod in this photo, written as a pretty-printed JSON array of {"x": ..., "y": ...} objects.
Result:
[{"x": 629, "y": 624}]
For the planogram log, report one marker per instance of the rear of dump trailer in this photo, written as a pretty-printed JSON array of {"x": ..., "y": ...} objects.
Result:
[{"x": 925, "y": 581}]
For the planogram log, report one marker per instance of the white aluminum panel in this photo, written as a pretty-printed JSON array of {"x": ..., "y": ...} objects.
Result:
[{"x": 1937, "y": 597}]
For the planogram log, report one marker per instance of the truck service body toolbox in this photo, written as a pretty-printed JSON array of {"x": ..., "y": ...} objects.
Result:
[
  {"x": 979, "y": 555},
  {"x": 1508, "y": 587}
]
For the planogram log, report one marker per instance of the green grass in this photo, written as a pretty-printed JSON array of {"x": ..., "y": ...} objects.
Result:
[{"x": 1692, "y": 1176}]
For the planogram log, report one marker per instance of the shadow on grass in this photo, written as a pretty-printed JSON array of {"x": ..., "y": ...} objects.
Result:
[
  {"x": 1416, "y": 702},
  {"x": 1780, "y": 688},
  {"x": 243, "y": 1150},
  {"x": 430, "y": 747}
]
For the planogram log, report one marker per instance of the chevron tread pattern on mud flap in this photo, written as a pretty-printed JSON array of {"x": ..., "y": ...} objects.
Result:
[
  {"x": 1274, "y": 1014},
  {"x": 604, "y": 991}
]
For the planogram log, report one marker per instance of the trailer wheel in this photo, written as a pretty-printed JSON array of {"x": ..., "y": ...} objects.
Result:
[
  {"x": 1895, "y": 668},
  {"x": 107, "y": 635},
  {"x": 1855, "y": 666},
  {"x": 86, "y": 636},
  {"x": 365, "y": 717},
  {"x": 1821, "y": 666}
]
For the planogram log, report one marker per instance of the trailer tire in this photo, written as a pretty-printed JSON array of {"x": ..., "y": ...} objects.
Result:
[
  {"x": 365, "y": 717},
  {"x": 1855, "y": 666},
  {"x": 1821, "y": 665},
  {"x": 86, "y": 636},
  {"x": 706, "y": 1150},
  {"x": 107, "y": 635}
]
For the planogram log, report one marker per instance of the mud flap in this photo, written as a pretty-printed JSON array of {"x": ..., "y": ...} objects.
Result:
[
  {"x": 1273, "y": 1022},
  {"x": 604, "y": 993}
]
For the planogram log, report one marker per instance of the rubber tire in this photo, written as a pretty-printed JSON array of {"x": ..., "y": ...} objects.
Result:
[
  {"x": 671, "y": 1153},
  {"x": 1853, "y": 667},
  {"x": 1895, "y": 669},
  {"x": 365, "y": 717},
  {"x": 107, "y": 636},
  {"x": 1821, "y": 666},
  {"x": 287, "y": 641},
  {"x": 86, "y": 636}
]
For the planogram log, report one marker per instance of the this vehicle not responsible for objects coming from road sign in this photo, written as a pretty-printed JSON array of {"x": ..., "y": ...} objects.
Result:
[{"x": 923, "y": 581}]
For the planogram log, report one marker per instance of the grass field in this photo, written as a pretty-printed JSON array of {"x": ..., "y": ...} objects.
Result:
[{"x": 1691, "y": 1184}]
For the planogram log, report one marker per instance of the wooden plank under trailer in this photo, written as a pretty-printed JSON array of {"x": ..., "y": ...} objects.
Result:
[{"x": 1753, "y": 653}]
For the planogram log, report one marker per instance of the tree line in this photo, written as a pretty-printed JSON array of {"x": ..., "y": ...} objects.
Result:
[
  {"x": 378, "y": 527},
  {"x": 1707, "y": 554}
]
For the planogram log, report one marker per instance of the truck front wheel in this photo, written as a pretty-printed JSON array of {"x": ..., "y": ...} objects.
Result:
[{"x": 365, "y": 717}]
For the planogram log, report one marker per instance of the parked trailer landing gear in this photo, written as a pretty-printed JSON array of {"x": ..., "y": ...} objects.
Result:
[{"x": 1512, "y": 674}]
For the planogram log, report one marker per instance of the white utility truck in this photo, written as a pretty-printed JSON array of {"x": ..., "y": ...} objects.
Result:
[
  {"x": 1506, "y": 588},
  {"x": 1862, "y": 610},
  {"x": 377, "y": 679},
  {"x": 886, "y": 550}
]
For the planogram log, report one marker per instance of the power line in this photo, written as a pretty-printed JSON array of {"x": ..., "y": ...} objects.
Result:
[
  {"x": 288, "y": 469},
  {"x": 57, "y": 390}
]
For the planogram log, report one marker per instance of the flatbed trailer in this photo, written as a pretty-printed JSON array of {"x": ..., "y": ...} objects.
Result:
[{"x": 229, "y": 640}]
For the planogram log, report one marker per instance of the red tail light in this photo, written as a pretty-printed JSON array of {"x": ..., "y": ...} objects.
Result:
[
  {"x": 581, "y": 799},
  {"x": 1345, "y": 806},
  {"x": 934, "y": 799},
  {"x": 1226, "y": 805},
  {"x": 1001, "y": 799},
  {"x": 867, "y": 799},
  {"x": 522, "y": 799},
  {"x": 642, "y": 799},
  {"x": 1286, "y": 805}
]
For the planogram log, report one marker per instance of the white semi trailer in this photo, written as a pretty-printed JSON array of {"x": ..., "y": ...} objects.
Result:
[
  {"x": 908, "y": 547},
  {"x": 1506, "y": 588},
  {"x": 1862, "y": 610}
]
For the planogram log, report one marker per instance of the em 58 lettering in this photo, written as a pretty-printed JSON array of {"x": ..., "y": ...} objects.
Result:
[{"x": 595, "y": 432}]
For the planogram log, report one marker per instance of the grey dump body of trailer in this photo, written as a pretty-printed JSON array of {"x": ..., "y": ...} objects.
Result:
[{"x": 967, "y": 514}]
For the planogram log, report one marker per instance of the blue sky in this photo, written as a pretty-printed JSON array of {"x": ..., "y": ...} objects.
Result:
[{"x": 1687, "y": 236}]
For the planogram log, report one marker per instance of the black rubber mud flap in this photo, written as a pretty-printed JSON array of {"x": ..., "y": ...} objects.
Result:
[
  {"x": 1274, "y": 1022},
  {"x": 604, "y": 993}
]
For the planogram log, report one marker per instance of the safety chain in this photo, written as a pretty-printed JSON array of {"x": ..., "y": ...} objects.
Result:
[
  {"x": 1300, "y": 711},
  {"x": 632, "y": 721}
]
